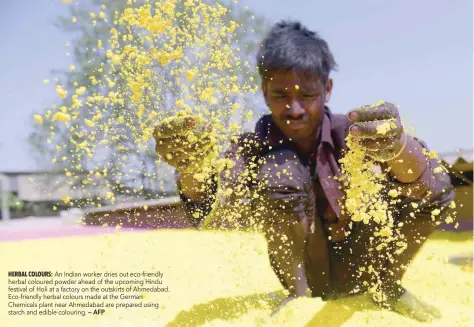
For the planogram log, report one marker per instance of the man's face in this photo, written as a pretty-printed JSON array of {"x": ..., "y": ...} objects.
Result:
[{"x": 296, "y": 102}]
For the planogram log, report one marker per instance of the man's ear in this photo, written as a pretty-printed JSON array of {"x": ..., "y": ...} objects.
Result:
[{"x": 328, "y": 90}]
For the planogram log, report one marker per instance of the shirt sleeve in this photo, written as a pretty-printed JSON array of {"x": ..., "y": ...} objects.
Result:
[
  {"x": 196, "y": 211},
  {"x": 229, "y": 190},
  {"x": 431, "y": 191}
]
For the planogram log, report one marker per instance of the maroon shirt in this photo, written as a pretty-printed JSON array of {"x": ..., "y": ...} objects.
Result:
[{"x": 326, "y": 193}]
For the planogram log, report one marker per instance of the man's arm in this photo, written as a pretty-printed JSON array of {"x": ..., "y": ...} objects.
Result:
[
  {"x": 379, "y": 130},
  {"x": 218, "y": 193},
  {"x": 410, "y": 164},
  {"x": 198, "y": 197},
  {"x": 193, "y": 188},
  {"x": 430, "y": 184}
]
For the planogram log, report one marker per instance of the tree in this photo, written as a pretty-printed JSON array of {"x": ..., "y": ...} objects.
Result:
[{"x": 124, "y": 52}]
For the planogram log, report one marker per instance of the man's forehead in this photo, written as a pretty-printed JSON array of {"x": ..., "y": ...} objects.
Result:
[{"x": 289, "y": 79}]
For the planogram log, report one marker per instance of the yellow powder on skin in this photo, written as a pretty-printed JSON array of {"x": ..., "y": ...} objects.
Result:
[
  {"x": 120, "y": 103},
  {"x": 383, "y": 128}
]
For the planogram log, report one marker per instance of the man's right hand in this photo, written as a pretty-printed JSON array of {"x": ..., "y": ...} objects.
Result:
[{"x": 186, "y": 141}]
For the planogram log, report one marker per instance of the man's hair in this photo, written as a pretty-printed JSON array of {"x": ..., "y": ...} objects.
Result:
[{"x": 290, "y": 45}]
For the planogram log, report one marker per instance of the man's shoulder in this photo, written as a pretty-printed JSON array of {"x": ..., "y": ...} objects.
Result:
[
  {"x": 340, "y": 122},
  {"x": 252, "y": 143},
  {"x": 246, "y": 144},
  {"x": 260, "y": 132},
  {"x": 340, "y": 125}
]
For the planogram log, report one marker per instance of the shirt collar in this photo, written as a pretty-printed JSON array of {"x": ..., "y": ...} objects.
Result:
[{"x": 326, "y": 136}]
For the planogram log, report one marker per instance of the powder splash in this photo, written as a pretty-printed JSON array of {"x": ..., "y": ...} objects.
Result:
[{"x": 160, "y": 58}]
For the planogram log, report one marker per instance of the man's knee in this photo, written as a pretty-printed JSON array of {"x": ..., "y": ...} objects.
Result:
[
  {"x": 420, "y": 220},
  {"x": 283, "y": 168},
  {"x": 284, "y": 186}
]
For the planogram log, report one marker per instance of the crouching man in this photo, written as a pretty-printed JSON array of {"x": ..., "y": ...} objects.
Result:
[{"x": 289, "y": 168}]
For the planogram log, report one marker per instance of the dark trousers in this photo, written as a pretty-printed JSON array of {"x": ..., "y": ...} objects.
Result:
[{"x": 334, "y": 268}]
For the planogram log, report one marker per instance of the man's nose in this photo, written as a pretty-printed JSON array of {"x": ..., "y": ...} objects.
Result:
[{"x": 295, "y": 110}]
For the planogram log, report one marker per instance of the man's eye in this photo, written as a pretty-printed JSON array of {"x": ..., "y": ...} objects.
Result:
[
  {"x": 309, "y": 95},
  {"x": 279, "y": 96}
]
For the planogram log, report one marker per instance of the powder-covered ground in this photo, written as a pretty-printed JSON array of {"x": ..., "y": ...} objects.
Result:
[{"x": 221, "y": 279}]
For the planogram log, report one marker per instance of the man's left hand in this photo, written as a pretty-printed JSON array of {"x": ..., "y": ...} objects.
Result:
[{"x": 378, "y": 129}]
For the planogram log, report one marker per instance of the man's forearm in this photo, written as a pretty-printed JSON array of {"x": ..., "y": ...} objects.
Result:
[
  {"x": 193, "y": 188},
  {"x": 198, "y": 197},
  {"x": 410, "y": 164}
]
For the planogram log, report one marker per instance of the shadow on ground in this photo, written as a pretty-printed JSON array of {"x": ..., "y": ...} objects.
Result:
[{"x": 333, "y": 313}]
